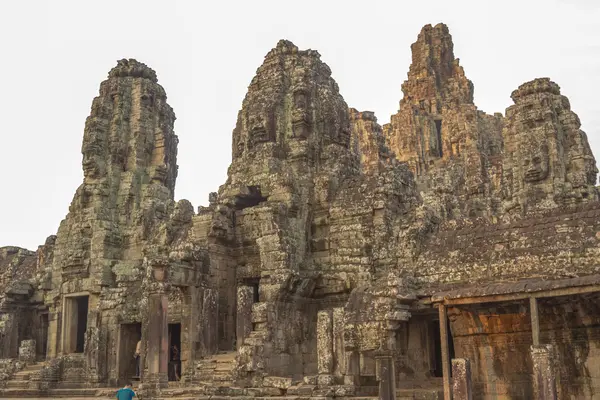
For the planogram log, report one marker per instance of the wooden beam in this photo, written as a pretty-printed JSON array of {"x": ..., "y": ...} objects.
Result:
[
  {"x": 535, "y": 321},
  {"x": 521, "y": 296},
  {"x": 445, "y": 353}
]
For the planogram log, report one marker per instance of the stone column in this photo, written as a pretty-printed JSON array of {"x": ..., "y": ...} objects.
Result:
[
  {"x": 339, "y": 362},
  {"x": 352, "y": 376},
  {"x": 445, "y": 355},
  {"x": 245, "y": 299},
  {"x": 157, "y": 333},
  {"x": 191, "y": 338},
  {"x": 461, "y": 379},
  {"x": 325, "y": 347},
  {"x": 92, "y": 346},
  {"x": 386, "y": 375},
  {"x": 210, "y": 322},
  {"x": 544, "y": 372},
  {"x": 535, "y": 321},
  {"x": 52, "y": 346}
]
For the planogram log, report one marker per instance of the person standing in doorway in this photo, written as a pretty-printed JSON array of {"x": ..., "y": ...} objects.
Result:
[
  {"x": 126, "y": 393},
  {"x": 138, "y": 351}
]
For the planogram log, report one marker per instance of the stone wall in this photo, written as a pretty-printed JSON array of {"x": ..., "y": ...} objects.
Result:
[
  {"x": 497, "y": 339},
  {"x": 562, "y": 242}
]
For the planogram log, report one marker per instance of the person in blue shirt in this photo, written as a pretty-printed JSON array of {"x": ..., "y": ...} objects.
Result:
[{"x": 126, "y": 393}]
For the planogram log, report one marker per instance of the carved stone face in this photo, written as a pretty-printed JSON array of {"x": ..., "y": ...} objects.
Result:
[
  {"x": 301, "y": 118},
  {"x": 159, "y": 173},
  {"x": 301, "y": 121},
  {"x": 535, "y": 161},
  {"x": 258, "y": 126},
  {"x": 93, "y": 161},
  {"x": 291, "y": 98}
]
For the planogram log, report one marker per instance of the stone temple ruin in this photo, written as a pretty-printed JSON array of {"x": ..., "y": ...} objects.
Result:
[{"x": 447, "y": 254}]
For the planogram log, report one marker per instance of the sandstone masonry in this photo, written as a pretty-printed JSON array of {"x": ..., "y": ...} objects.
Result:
[{"x": 339, "y": 259}]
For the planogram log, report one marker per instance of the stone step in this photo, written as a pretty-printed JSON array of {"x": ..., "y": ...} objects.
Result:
[
  {"x": 80, "y": 392},
  {"x": 34, "y": 367},
  {"x": 220, "y": 372},
  {"x": 211, "y": 384},
  {"x": 52, "y": 394},
  {"x": 223, "y": 378},
  {"x": 254, "y": 341},
  {"x": 419, "y": 394},
  {"x": 195, "y": 397},
  {"x": 21, "y": 376},
  {"x": 34, "y": 394},
  {"x": 207, "y": 397},
  {"x": 17, "y": 384}
]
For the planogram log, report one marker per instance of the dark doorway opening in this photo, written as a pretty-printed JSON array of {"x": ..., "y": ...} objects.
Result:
[
  {"x": 254, "y": 284},
  {"x": 43, "y": 337},
  {"x": 74, "y": 323},
  {"x": 82, "y": 313},
  {"x": 249, "y": 196},
  {"x": 438, "y": 128},
  {"x": 174, "y": 352},
  {"x": 436, "y": 365},
  {"x": 130, "y": 335}
]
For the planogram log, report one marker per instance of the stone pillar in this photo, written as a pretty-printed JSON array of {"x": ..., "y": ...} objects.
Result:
[
  {"x": 245, "y": 299},
  {"x": 191, "y": 338},
  {"x": 325, "y": 346},
  {"x": 339, "y": 362},
  {"x": 158, "y": 340},
  {"x": 157, "y": 333},
  {"x": 92, "y": 346},
  {"x": 210, "y": 321},
  {"x": 352, "y": 376},
  {"x": 445, "y": 355},
  {"x": 461, "y": 379},
  {"x": 544, "y": 372},
  {"x": 52, "y": 347},
  {"x": 535, "y": 321},
  {"x": 386, "y": 375}
]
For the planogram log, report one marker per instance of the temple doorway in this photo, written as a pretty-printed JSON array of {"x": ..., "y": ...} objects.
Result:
[
  {"x": 43, "y": 337},
  {"x": 82, "y": 313},
  {"x": 436, "y": 365},
  {"x": 75, "y": 323},
  {"x": 174, "y": 352},
  {"x": 129, "y": 336}
]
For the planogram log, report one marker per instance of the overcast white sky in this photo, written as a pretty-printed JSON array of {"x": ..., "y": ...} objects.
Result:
[{"x": 56, "y": 53}]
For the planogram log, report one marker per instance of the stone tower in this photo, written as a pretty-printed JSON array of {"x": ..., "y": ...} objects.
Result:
[
  {"x": 129, "y": 163},
  {"x": 548, "y": 161},
  {"x": 448, "y": 144}
]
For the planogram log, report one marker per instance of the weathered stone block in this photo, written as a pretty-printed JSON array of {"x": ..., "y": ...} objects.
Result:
[
  {"x": 310, "y": 380},
  {"x": 277, "y": 382},
  {"x": 325, "y": 380},
  {"x": 27, "y": 351}
]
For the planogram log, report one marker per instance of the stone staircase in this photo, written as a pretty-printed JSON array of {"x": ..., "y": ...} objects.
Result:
[
  {"x": 214, "y": 380},
  {"x": 20, "y": 380},
  {"x": 216, "y": 370}
]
